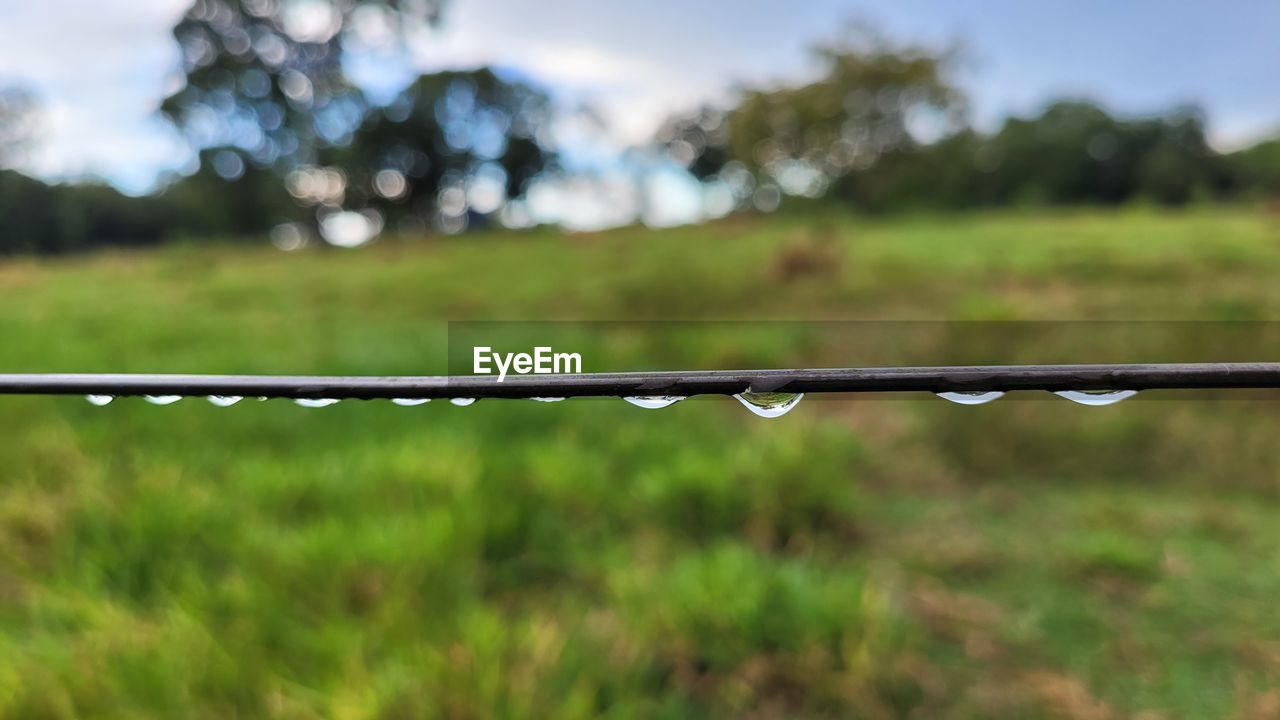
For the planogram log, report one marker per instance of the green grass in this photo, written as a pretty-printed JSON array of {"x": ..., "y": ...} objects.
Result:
[{"x": 857, "y": 558}]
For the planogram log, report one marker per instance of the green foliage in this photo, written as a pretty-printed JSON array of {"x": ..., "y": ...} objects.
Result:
[
  {"x": 1258, "y": 168},
  {"x": 882, "y": 130},
  {"x": 267, "y": 92},
  {"x": 804, "y": 137},
  {"x": 44, "y": 219},
  {"x": 1074, "y": 152},
  {"x": 49, "y": 219},
  {"x": 443, "y": 132},
  {"x": 276, "y": 67},
  {"x": 205, "y": 205}
]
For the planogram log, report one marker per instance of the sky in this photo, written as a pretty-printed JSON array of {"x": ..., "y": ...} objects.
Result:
[{"x": 100, "y": 69}]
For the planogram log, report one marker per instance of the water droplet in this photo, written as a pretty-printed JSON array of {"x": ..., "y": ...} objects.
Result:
[
  {"x": 967, "y": 397},
  {"x": 1096, "y": 398},
  {"x": 100, "y": 400},
  {"x": 409, "y": 402},
  {"x": 769, "y": 404},
  {"x": 162, "y": 399},
  {"x": 653, "y": 402},
  {"x": 315, "y": 402},
  {"x": 462, "y": 402},
  {"x": 547, "y": 399},
  {"x": 224, "y": 400}
]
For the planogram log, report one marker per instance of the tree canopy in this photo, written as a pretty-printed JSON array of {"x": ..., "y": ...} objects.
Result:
[
  {"x": 803, "y": 138},
  {"x": 265, "y": 88},
  {"x": 451, "y": 143},
  {"x": 884, "y": 128},
  {"x": 266, "y": 76}
]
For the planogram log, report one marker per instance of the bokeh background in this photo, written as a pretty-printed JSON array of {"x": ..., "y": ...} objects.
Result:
[{"x": 334, "y": 186}]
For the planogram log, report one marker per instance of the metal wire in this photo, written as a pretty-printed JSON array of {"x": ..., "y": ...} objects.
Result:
[{"x": 714, "y": 382}]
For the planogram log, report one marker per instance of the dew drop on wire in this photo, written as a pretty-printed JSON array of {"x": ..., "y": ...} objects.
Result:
[
  {"x": 410, "y": 402},
  {"x": 162, "y": 399},
  {"x": 653, "y": 402},
  {"x": 769, "y": 404},
  {"x": 547, "y": 399},
  {"x": 971, "y": 398},
  {"x": 100, "y": 400},
  {"x": 224, "y": 400},
  {"x": 315, "y": 402},
  {"x": 1096, "y": 398},
  {"x": 462, "y": 402}
]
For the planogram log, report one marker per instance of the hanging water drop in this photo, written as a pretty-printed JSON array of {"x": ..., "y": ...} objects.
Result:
[
  {"x": 769, "y": 404},
  {"x": 1096, "y": 398},
  {"x": 967, "y": 397},
  {"x": 224, "y": 400},
  {"x": 315, "y": 402},
  {"x": 410, "y": 402},
  {"x": 162, "y": 399},
  {"x": 100, "y": 400},
  {"x": 653, "y": 402},
  {"x": 462, "y": 402},
  {"x": 547, "y": 399}
]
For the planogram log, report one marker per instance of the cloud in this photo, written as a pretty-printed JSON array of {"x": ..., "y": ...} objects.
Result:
[
  {"x": 635, "y": 62},
  {"x": 100, "y": 70}
]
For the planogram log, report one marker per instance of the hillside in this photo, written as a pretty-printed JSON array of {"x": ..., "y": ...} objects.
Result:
[{"x": 858, "y": 557}]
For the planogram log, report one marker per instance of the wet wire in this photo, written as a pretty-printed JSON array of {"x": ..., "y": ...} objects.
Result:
[{"x": 955, "y": 379}]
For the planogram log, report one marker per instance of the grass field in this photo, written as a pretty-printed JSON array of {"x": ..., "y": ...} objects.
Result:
[{"x": 856, "y": 558}]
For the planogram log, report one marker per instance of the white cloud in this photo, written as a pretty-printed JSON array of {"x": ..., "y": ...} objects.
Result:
[
  {"x": 635, "y": 62},
  {"x": 100, "y": 71}
]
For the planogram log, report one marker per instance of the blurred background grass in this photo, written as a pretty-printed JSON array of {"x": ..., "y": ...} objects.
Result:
[{"x": 865, "y": 558}]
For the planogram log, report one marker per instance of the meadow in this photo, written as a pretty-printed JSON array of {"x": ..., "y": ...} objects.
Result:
[{"x": 859, "y": 557}]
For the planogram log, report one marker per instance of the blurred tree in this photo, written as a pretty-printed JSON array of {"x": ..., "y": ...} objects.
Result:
[
  {"x": 205, "y": 203},
  {"x": 452, "y": 145},
  {"x": 941, "y": 174},
  {"x": 1177, "y": 165},
  {"x": 698, "y": 140},
  {"x": 265, "y": 89},
  {"x": 51, "y": 219},
  {"x": 858, "y": 135},
  {"x": 863, "y": 110},
  {"x": 1075, "y": 152},
  {"x": 266, "y": 76},
  {"x": 1256, "y": 170}
]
